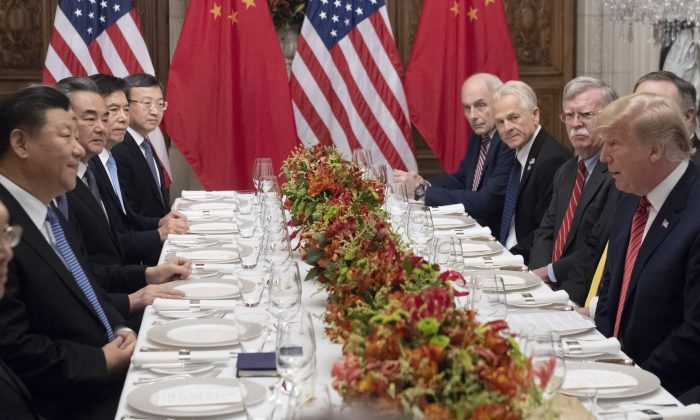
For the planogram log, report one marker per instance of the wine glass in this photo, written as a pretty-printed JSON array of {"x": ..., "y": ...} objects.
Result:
[
  {"x": 396, "y": 204},
  {"x": 548, "y": 365},
  {"x": 295, "y": 353},
  {"x": 419, "y": 227},
  {"x": 489, "y": 296},
  {"x": 276, "y": 245},
  {"x": 362, "y": 158},
  {"x": 447, "y": 252},
  {"x": 379, "y": 173},
  {"x": 261, "y": 167},
  {"x": 285, "y": 287}
]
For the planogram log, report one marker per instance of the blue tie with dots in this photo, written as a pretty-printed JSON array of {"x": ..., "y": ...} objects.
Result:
[
  {"x": 69, "y": 258},
  {"x": 510, "y": 201}
]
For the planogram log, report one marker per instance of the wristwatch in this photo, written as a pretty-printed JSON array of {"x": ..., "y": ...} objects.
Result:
[{"x": 419, "y": 194}]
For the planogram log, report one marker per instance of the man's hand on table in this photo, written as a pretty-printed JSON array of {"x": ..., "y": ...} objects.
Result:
[
  {"x": 410, "y": 179},
  {"x": 173, "y": 225},
  {"x": 543, "y": 275},
  {"x": 176, "y": 269},
  {"x": 144, "y": 297},
  {"x": 118, "y": 351}
]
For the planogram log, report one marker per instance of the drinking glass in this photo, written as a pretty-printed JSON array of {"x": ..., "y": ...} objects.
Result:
[
  {"x": 362, "y": 158},
  {"x": 251, "y": 296},
  {"x": 489, "y": 296},
  {"x": 252, "y": 330},
  {"x": 285, "y": 287},
  {"x": 269, "y": 186},
  {"x": 276, "y": 245},
  {"x": 419, "y": 227},
  {"x": 295, "y": 353},
  {"x": 447, "y": 252},
  {"x": 261, "y": 168},
  {"x": 245, "y": 199},
  {"x": 548, "y": 365},
  {"x": 266, "y": 409},
  {"x": 379, "y": 173},
  {"x": 396, "y": 204}
]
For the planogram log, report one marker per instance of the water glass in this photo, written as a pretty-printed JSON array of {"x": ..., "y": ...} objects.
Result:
[
  {"x": 446, "y": 251},
  {"x": 245, "y": 199},
  {"x": 246, "y": 225},
  {"x": 548, "y": 365},
  {"x": 419, "y": 227},
  {"x": 489, "y": 296},
  {"x": 362, "y": 158},
  {"x": 285, "y": 286},
  {"x": 396, "y": 204},
  {"x": 379, "y": 173},
  {"x": 295, "y": 353},
  {"x": 266, "y": 409},
  {"x": 258, "y": 278},
  {"x": 252, "y": 330}
]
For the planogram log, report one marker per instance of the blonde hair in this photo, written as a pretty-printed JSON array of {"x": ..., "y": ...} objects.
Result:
[
  {"x": 651, "y": 119},
  {"x": 524, "y": 93}
]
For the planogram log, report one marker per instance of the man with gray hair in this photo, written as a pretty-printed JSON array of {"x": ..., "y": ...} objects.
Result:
[
  {"x": 537, "y": 157},
  {"x": 667, "y": 84},
  {"x": 650, "y": 292},
  {"x": 580, "y": 191},
  {"x": 480, "y": 182}
]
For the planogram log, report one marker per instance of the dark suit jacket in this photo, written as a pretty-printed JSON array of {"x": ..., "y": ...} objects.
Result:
[
  {"x": 139, "y": 189},
  {"x": 49, "y": 333},
  {"x": 696, "y": 145},
  {"x": 140, "y": 243},
  {"x": 660, "y": 325},
  {"x": 590, "y": 206},
  {"x": 15, "y": 401},
  {"x": 485, "y": 204},
  {"x": 535, "y": 193}
]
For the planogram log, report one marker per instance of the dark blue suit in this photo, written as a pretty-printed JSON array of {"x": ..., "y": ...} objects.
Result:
[
  {"x": 485, "y": 204},
  {"x": 660, "y": 325}
]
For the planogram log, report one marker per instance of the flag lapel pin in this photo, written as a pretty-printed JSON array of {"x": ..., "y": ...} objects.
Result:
[{"x": 665, "y": 224}]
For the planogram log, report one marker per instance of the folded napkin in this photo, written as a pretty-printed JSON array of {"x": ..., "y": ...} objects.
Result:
[
  {"x": 198, "y": 239},
  {"x": 202, "y": 195},
  {"x": 690, "y": 412},
  {"x": 225, "y": 268},
  {"x": 191, "y": 214},
  {"x": 560, "y": 296},
  {"x": 448, "y": 209},
  {"x": 497, "y": 261},
  {"x": 160, "y": 304},
  {"x": 609, "y": 345},
  {"x": 469, "y": 232},
  {"x": 141, "y": 358}
]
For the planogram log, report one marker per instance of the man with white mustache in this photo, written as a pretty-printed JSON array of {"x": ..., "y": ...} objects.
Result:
[{"x": 580, "y": 191}]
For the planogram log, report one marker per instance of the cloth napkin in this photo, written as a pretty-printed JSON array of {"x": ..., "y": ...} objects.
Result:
[
  {"x": 449, "y": 209},
  {"x": 141, "y": 358},
  {"x": 560, "y": 296},
  {"x": 203, "y": 195},
  {"x": 469, "y": 232},
  {"x": 497, "y": 261},
  {"x": 609, "y": 345},
  {"x": 199, "y": 214},
  {"x": 160, "y": 304},
  {"x": 199, "y": 239},
  {"x": 690, "y": 412}
]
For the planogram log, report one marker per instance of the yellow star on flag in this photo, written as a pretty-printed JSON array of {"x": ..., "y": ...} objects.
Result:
[
  {"x": 248, "y": 3},
  {"x": 487, "y": 2},
  {"x": 472, "y": 14},
  {"x": 233, "y": 17},
  {"x": 216, "y": 11},
  {"x": 455, "y": 8}
]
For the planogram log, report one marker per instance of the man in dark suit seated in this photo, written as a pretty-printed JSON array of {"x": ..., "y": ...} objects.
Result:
[
  {"x": 650, "y": 293},
  {"x": 480, "y": 182},
  {"x": 15, "y": 400},
  {"x": 537, "y": 157},
  {"x": 667, "y": 84},
  {"x": 581, "y": 188},
  {"x": 133, "y": 286},
  {"x": 58, "y": 330}
]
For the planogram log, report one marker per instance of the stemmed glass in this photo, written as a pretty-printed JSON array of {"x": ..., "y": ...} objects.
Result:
[
  {"x": 295, "y": 353},
  {"x": 276, "y": 245},
  {"x": 261, "y": 168},
  {"x": 379, "y": 173},
  {"x": 396, "y": 204},
  {"x": 548, "y": 365},
  {"x": 362, "y": 158},
  {"x": 285, "y": 287},
  {"x": 447, "y": 252},
  {"x": 420, "y": 228},
  {"x": 489, "y": 296}
]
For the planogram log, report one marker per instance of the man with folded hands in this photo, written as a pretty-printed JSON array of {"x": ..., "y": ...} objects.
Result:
[
  {"x": 132, "y": 287},
  {"x": 58, "y": 330},
  {"x": 579, "y": 193},
  {"x": 650, "y": 291},
  {"x": 480, "y": 182}
]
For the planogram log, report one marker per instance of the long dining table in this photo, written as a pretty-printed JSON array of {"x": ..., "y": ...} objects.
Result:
[{"x": 327, "y": 402}]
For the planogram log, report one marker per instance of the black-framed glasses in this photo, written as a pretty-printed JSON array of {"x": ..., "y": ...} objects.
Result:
[
  {"x": 11, "y": 235},
  {"x": 568, "y": 116},
  {"x": 148, "y": 104}
]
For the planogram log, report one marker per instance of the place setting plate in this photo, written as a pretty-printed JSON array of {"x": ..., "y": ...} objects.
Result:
[
  {"x": 611, "y": 381},
  {"x": 513, "y": 280},
  {"x": 480, "y": 248},
  {"x": 209, "y": 205},
  {"x": 203, "y": 333},
  {"x": 452, "y": 222},
  {"x": 207, "y": 255},
  {"x": 212, "y": 228},
  {"x": 206, "y": 289},
  {"x": 161, "y": 398}
]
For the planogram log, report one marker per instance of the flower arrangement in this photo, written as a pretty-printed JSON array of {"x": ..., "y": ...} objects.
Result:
[
  {"x": 286, "y": 13},
  {"x": 405, "y": 343}
]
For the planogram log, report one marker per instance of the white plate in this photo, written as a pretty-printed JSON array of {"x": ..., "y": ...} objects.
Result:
[
  {"x": 188, "y": 370},
  {"x": 211, "y": 205},
  {"x": 204, "y": 255},
  {"x": 186, "y": 314},
  {"x": 213, "y": 228},
  {"x": 513, "y": 280},
  {"x": 646, "y": 382},
  {"x": 206, "y": 289},
  {"x": 530, "y": 305},
  {"x": 203, "y": 333},
  {"x": 581, "y": 355},
  {"x": 451, "y": 222},
  {"x": 144, "y": 397},
  {"x": 480, "y": 248}
]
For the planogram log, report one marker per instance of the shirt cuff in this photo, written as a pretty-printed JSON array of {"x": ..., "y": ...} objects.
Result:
[{"x": 550, "y": 273}]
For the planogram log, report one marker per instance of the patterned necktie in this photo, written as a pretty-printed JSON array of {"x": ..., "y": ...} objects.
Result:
[
  {"x": 565, "y": 227},
  {"x": 92, "y": 185},
  {"x": 65, "y": 251},
  {"x": 114, "y": 178},
  {"x": 150, "y": 159},
  {"x": 62, "y": 204},
  {"x": 485, "y": 142},
  {"x": 639, "y": 222},
  {"x": 510, "y": 201}
]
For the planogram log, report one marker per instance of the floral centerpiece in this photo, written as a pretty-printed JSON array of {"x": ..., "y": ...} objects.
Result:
[{"x": 405, "y": 343}]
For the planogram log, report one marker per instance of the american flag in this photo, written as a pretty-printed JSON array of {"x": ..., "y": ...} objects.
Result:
[
  {"x": 346, "y": 82},
  {"x": 99, "y": 36}
]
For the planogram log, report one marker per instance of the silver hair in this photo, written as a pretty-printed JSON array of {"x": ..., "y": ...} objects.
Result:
[
  {"x": 520, "y": 90},
  {"x": 582, "y": 84},
  {"x": 493, "y": 82}
]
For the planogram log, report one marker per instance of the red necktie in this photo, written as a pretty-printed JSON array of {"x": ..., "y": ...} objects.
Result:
[
  {"x": 570, "y": 211},
  {"x": 485, "y": 141},
  {"x": 639, "y": 222}
]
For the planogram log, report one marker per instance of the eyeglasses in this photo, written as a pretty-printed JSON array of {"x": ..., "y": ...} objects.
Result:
[
  {"x": 148, "y": 105},
  {"x": 11, "y": 235},
  {"x": 568, "y": 116}
]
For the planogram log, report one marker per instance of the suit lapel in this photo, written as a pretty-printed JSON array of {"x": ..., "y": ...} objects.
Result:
[
  {"x": 103, "y": 182},
  {"x": 137, "y": 154},
  {"x": 83, "y": 194},
  {"x": 531, "y": 160}
]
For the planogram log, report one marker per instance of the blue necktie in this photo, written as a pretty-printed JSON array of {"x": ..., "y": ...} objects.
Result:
[
  {"x": 150, "y": 159},
  {"x": 510, "y": 201},
  {"x": 62, "y": 204},
  {"x": 64, "y": 249},
  {"x": 112, "y": 168}
]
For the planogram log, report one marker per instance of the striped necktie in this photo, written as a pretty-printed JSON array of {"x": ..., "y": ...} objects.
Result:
[
  {"x": 114, "y": 179},
  {"x": 639, "y": 222},
  {"x": 479, "y": 171},
  {"x": 565, "y": 227},
  {"x": 510, "y": 201},
  {"x": 66, "y": 252}
]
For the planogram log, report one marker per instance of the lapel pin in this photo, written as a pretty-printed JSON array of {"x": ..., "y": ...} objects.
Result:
[{"x": 665, "y": 224}]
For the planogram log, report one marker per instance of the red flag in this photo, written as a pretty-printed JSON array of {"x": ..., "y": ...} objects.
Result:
[
  {"x": 228, "y": 92},
  {"x": 455, "y": 39}
]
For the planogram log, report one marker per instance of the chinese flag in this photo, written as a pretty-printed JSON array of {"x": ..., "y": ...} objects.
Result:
[
  {"x": 455, "y": 39},
  {"x": 228, "y": 92}
]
